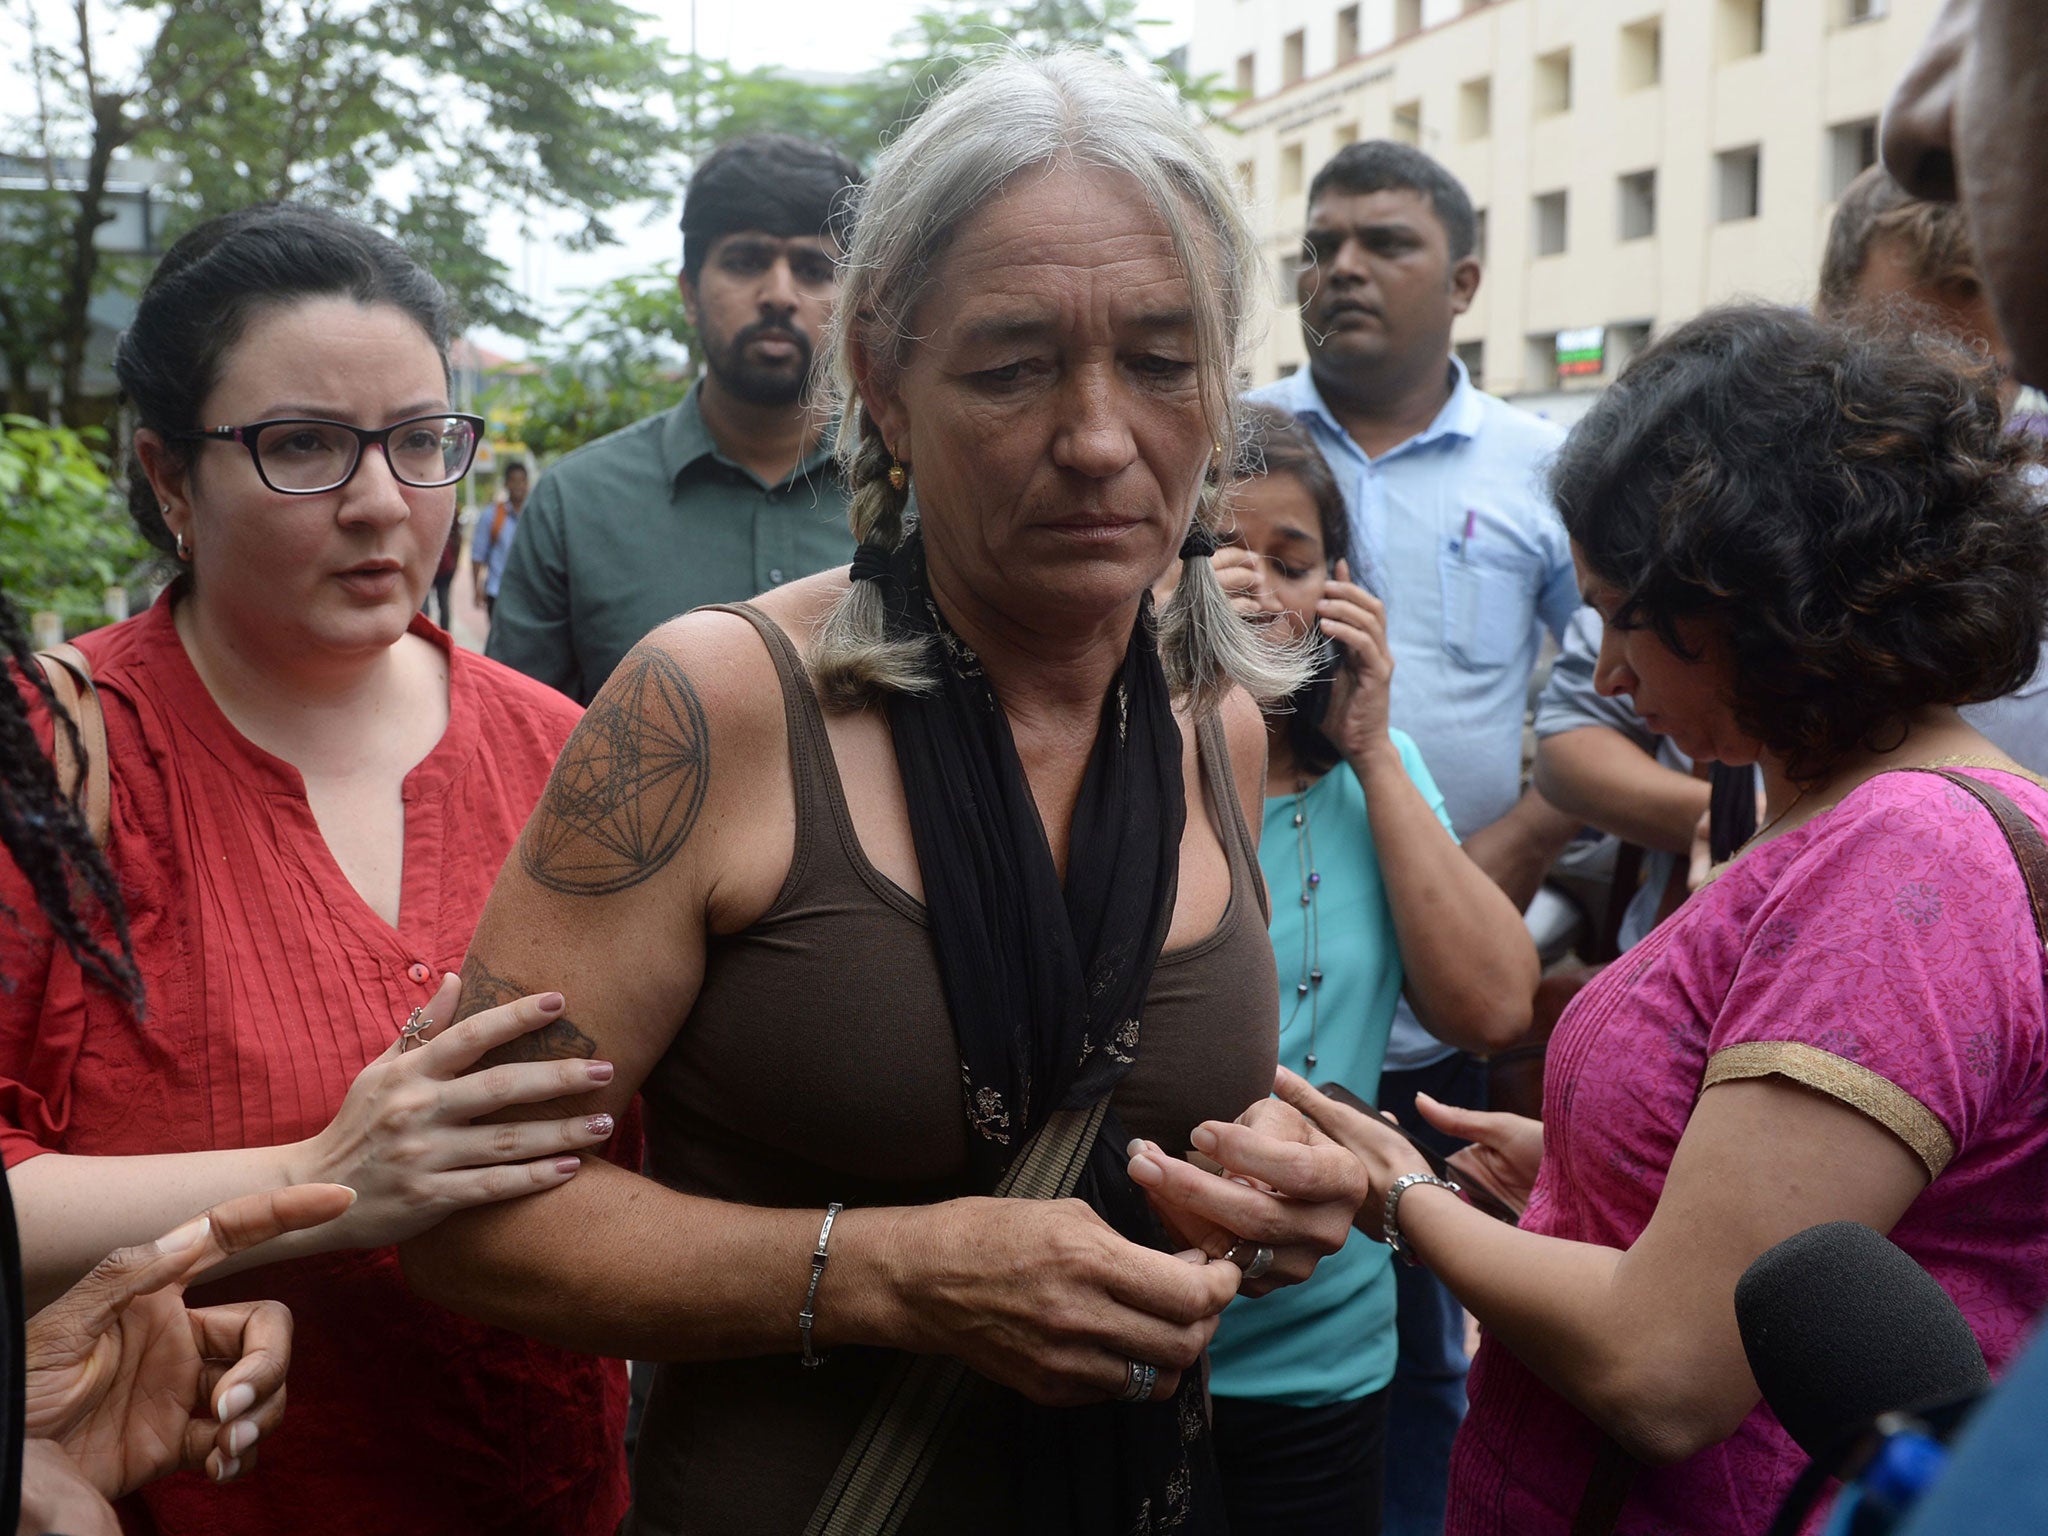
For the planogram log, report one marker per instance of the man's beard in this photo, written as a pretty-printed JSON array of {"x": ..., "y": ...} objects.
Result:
[{"x": 755, "y": 383}]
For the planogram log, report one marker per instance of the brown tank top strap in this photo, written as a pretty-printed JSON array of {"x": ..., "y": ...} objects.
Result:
[
  {"x": 1212, "y": 747},
  {"x": 820, "y": 802}
]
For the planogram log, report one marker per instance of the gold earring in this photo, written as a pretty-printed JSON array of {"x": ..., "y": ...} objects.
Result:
[{"x": 899, "y": 476}]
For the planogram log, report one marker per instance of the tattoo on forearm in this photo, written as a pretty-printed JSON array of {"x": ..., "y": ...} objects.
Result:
[
  {"x": 629, "y": 786},
  {"x": 482, "y": 988}
]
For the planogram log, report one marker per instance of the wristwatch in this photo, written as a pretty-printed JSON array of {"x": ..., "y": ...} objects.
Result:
[{"x": 1390, "y": 1228}]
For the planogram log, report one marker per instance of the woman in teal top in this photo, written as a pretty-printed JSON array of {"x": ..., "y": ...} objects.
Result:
[{"x": 1370, "y": 895}]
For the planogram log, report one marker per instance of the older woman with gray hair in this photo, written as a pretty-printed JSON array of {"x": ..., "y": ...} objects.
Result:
[{"x": 909, "y": 897}]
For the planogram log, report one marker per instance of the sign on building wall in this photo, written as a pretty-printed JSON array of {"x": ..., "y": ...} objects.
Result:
[{"x": 1582, "y": 352}]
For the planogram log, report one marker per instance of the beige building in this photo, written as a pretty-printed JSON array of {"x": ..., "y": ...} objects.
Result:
[{"x": 1633, "y": 161}]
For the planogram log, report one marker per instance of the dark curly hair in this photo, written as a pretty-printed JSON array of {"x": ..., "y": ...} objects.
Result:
[
  {"x": 1846, "y": 505},
  {"x": 45, "y": 833},
  {"x": 1272, "y": 442}
]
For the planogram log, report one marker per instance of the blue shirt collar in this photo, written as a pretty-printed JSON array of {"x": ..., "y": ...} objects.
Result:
[{"x": 1459, "y": 417}]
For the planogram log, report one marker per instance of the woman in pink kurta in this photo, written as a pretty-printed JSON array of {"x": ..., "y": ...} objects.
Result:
[{"x": 1807, "y": 546}]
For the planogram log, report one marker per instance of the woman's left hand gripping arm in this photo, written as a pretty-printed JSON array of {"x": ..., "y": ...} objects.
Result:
[{"x": 1292, "y": 1189}]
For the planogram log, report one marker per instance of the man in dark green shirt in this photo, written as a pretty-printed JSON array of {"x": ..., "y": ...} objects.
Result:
[{"x": 731, "y": 492}]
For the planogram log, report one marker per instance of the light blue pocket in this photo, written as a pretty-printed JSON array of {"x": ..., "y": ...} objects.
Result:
[{"x": 1489, "y": 591}]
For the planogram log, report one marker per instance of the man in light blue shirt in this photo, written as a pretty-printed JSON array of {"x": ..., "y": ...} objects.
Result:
[{"x": 1455, "y": 530}]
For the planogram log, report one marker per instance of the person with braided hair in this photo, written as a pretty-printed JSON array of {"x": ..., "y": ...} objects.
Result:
[{"x": 936, "y": 881}]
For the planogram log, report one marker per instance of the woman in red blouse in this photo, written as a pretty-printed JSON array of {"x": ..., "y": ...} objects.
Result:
[{"x": 312, "y": 792}]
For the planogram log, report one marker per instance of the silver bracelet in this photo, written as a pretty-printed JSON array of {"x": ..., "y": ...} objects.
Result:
[
  {"x": 1391, "y": 1228},
  {"x": 809, "y": 1315}
]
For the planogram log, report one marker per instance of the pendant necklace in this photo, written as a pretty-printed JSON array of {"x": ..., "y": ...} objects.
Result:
[{"x": 1311, "y": 980}]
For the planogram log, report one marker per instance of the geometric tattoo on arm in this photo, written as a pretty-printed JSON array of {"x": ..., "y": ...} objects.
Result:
[
  {"x": 628, "y": 787},
  {"x": 554, "y": 1041}
]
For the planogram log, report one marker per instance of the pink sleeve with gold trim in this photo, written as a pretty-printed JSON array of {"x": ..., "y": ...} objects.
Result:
[{"x": 1894, "y": 965}]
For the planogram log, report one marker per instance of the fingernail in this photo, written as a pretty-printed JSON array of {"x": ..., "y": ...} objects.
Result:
[
  {"x": 567, "y": 1165},
  {"x": 1203, "y": 1138},
  {"x": 599, "y": 1125},
  {"x": 1145, "y": 1171},
  {"x": 550, "y": 1002},
  {"x": 235, "y": 1402},
  {"x": 600, "y": 1071},
  {"x": 190, "y": 1235},
  {"x": 1136, "y": 1148},
  {"x": 240, "y": 1437},
  {"x": 228, "y": 1467}
]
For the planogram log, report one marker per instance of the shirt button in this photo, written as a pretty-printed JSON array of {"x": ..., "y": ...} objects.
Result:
[
  {"x": 775, "y": 575},
  {"x": 419, "y": 973}
]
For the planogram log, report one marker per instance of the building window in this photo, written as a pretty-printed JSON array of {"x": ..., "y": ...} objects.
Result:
[
  {"x": 1554, "y": 83},
  {"x": 1293, "y": 58},
  {"x": 1479, "y": 235},
  {"x": 1637, "y": 218},
  {"x": 1739, "y": 28},
  {"x": 1852, "y": 149},
  {"x": 1642, "y": 54},
  {"x": 1738, "y": 184},
  {"x": 1624, "y": 342},
  {"x": 1539, "y": 362},
  {"x": 1854, "y": 11},
  {"x": 1407, "y": 17},
  {"x": 1345, "y": 133},
  {"x": 1246, "y": 75},
  {"x": 1550, "y": 224},
  {"x": 1473, "y": 355},
  {"x": 1475, "y": 109},
  {"x": 1290, "y": 170},
  {"x": 1347, "y": 34},
  {"x": 1247, "y": 179},
  {"x": 1406, "y": 127},
  {"x": 1289, "y": 370}
]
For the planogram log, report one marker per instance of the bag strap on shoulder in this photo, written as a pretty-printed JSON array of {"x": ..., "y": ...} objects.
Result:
[
  {"x": 89, "y": 783},
  {"x": 884, "y": 1468},
  {"x": 2029, "y": 849}
]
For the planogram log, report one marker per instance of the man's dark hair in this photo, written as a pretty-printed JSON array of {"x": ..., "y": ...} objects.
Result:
[
  {"x": 213, "y": 280},
  {"x": 1845, "y": 505},
  {"x": 771, "y": 182},
  {"x": 1382, "y": 165},
  {"x": 1273, "y": 442},
  {"x": 1874, "y": 208}
]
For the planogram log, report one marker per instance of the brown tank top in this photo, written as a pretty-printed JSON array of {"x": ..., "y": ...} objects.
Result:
[{"x": 819, "y": 1064}]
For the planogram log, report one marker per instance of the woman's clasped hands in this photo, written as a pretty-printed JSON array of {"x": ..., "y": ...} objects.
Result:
[
  {"x": 404, "y": 1140},
  {"x": 1270, "y": 1179},
  {"x": 1047, "y": 1298}
]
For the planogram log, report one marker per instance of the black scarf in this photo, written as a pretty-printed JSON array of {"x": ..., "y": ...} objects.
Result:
[{"x": 1046, "y": 985}]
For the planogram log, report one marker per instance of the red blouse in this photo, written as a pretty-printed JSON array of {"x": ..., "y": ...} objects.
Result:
[{"x": 270, "y": 984}]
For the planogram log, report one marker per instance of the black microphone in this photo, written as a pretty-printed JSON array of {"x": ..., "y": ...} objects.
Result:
[{"x": 1841, "y": 1327}]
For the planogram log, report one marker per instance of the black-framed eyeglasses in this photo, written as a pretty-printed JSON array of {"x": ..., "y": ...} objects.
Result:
[{"x": 304, "y": 455}]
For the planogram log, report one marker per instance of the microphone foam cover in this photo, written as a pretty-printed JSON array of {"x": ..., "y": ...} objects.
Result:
[{"x": 1841, "y": 1326}]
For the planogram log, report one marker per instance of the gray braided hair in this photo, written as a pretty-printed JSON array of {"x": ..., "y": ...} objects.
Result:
[{"x": 996, "y": 119}]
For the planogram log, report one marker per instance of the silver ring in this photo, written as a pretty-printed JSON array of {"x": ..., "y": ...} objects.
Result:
[
  {"x": 1139, "y": 1380},
  {"x": 413, "y": 1032},
  {"x": 1257, "y": 1264}
]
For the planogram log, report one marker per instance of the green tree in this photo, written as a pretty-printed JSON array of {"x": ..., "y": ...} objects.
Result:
[
  {"x": 627, "y": 352},
  {"x": 859, "y": 115},
  {"x": 420, "y": 115},
  {"x": 65, "y": 536}
]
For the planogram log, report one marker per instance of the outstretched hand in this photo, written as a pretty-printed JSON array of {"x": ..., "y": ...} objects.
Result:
[
  {"x": 132, "y": 1385},
  {"x": 1505, "y": 1154}
]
